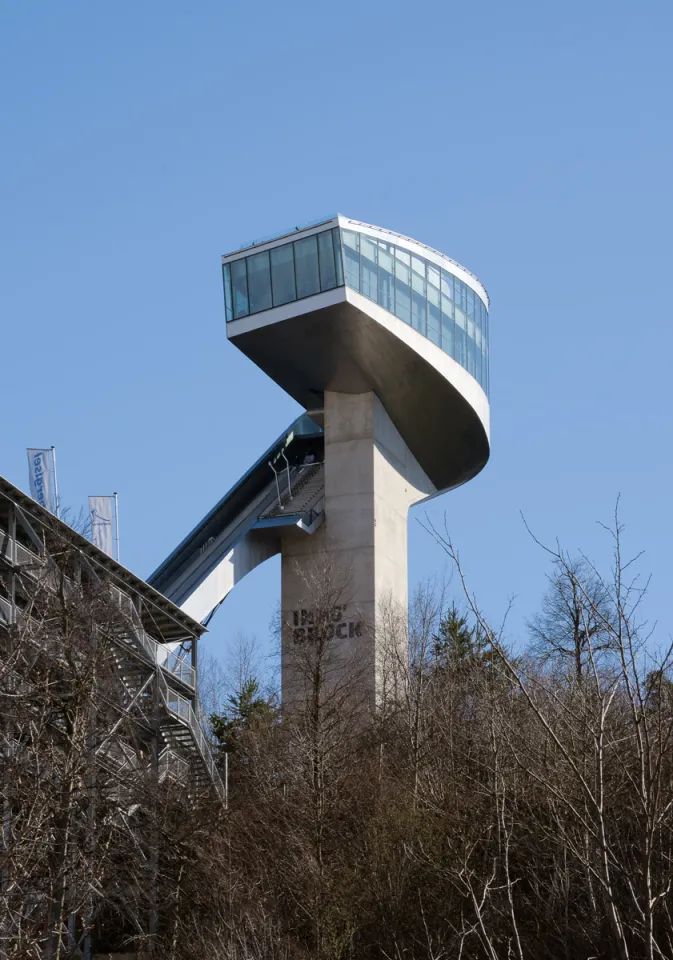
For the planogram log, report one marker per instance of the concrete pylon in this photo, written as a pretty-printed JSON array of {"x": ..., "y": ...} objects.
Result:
[{"x": 371, "y": 480}]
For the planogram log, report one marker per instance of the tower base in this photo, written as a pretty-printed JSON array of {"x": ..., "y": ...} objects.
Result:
[{"x": 338, "y": 583}]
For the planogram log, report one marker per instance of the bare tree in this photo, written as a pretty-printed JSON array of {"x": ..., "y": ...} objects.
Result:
[
  {"x": 87, "y": 792},
  {"x": 573, "y": 625},
  {"x": 71, "y": 771},
  {"x": 488, "y": 807},
  {"x": 602, "y": 753}
]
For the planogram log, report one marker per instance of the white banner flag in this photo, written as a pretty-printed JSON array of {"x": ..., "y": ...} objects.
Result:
[
  {"x": 100, "y": 513},
  {"x": 41, "y": 473}
]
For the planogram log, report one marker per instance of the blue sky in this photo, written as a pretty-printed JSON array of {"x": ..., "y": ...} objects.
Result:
[{"x": 531, "y": 142}]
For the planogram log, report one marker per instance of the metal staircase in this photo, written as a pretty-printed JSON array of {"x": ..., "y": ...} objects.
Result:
[{"x": 157, "y": 682}]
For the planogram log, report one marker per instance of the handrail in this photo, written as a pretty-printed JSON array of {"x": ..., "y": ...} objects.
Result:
[
  {"x": 275, "y": 473},
  {"x": 286, "y": 233},
  {"x": 180, "y": 707},
  {"x": 287, "y": 466},
  {"x": 170, "y": 662}
]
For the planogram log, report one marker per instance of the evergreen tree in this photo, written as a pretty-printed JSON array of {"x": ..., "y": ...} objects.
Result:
[
  {"x": 455, "y": 641},
  {"x": 246, "y": 709}
]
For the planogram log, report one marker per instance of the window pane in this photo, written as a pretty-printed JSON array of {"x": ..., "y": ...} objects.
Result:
[
  {"x": 239, "y": 285},
  {"x": 434, "y": 312},
  {"x": 352, "y": 258},
  {"x": 306, "y": 266},
  {"x": 470, "y": 302},
  {"x": 282, "y": 275},
  {"x": 336, "y": 233},
  {"x": 418, "y": 300},
  {"x": 447, "y": 285},
  {"x": 226, "y": 275},
  {"x": 328, "y": 278},
  {"x": 448, "y": 343},
  {"x": 402, "y": 285},
  {"x": 460, "y": 294},
  {"x": 470, "y": 356},
  {"x": 460, "y": 340},
  {"x": 386, "y": 277},
  {"x": 368, "y": 267},
  {"x": 259, "y": 282}
]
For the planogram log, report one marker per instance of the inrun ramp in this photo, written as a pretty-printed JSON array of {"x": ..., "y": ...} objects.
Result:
[{"x": 284, "y": 488}]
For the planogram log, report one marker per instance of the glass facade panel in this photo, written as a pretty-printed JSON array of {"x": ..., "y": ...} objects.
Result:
[
  {"x": 338, "y": 256},
  {"x": 259, "y": 282},
  {"x": 470, "y": 328},
  {"x": 435, "y": 302},
  {"x": 403, "y": 285},
  {"x": 239, "y": 284},
  {"x": 306, "y": 267},
  {"x": 418, "y": 295},
  {"x": 460, "y": 295},
  {"x": 470, "y": 356},
  {"x": 386, "y": 277},
  {"x": 448, "y": 339},
  {"x": 282, "y": 275},
  {"x": 369, "y": 268},
  {"x": 447, "y": 285},
  {"x": 460, "y": 346},
  {"x": 351, "y": 244},
  {"x": 226, "y": 277},
  {"x": 434, "y": 310},
  {"x": 328, "y": 277}
]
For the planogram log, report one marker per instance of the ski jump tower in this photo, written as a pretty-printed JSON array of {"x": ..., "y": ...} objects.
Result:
[{"x": 384, "y": 342}]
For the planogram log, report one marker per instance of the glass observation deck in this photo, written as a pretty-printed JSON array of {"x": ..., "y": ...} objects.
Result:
[{"x": 427, "y": 296}]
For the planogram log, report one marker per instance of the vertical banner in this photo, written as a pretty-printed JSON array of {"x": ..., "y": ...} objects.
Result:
[
  {"x": 100, "y": 514},
  {"x": 40, "y": 471}
]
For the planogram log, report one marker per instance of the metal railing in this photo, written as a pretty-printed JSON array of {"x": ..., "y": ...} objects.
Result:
[
  {"x": 166, "y": 659},
  {"x": 158, "y": 653},
  {"x": 171, "y": 764},
  {"x": 285, "y": 233},
  {"x": 5, "y": 611},
  {"x": 181, "y": 708}
]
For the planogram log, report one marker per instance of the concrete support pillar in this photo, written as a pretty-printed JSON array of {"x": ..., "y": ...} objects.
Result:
[{"x": 371, "y": 480}]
